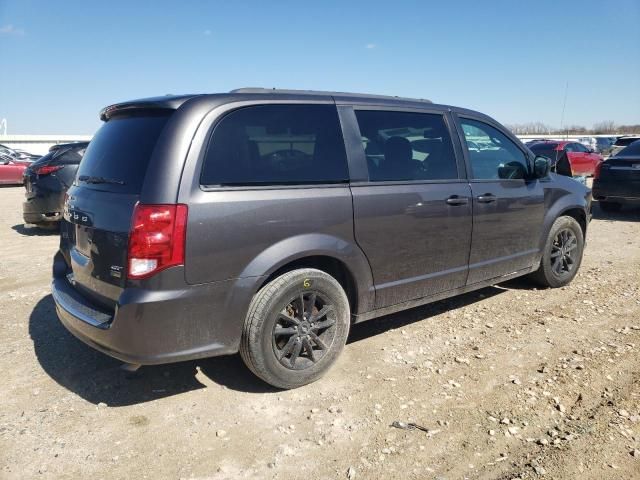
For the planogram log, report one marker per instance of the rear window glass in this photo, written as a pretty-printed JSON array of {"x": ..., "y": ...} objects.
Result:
[
  {"x": 633, "y": 149},
  {"x": 69, "y": 156},
  {"x": 118, "y": 155},
  {"x": 545, "y": 150},
  {"x": 276, "y": 145},
  {"x": 623, "y": 142}
]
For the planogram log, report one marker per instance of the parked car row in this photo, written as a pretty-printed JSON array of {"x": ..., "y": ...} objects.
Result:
[
  {"x": 602, "y": 145},
  {"x": 12, "y": 165},
  {"x": 622, "y": 142},
  {"x": 18, "y": 154},
  {"x": 11, "y": 170},
  {"x": 568, "y": 158}
]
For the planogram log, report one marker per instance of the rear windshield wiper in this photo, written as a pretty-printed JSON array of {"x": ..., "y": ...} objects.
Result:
[{"x": 90, "y": 179}]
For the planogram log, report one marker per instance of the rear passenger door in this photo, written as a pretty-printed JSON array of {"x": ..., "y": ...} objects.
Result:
[
  {"x": 412, "y": 208},
  {"x": 508, "y": 207}
]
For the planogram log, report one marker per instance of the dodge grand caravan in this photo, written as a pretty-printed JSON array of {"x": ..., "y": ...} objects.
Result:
[{"x": 268, "y": 221}]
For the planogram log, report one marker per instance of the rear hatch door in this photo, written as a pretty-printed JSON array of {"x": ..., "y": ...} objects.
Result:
[{"x": 97, "y": 216}]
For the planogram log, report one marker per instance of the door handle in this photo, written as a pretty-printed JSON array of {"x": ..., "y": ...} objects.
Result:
[
  {"x": 456, "y": 200},
  {"x": 487, "y": 198}
]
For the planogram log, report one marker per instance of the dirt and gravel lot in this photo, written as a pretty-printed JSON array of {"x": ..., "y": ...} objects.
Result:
[{"x": 509, "y": 382}]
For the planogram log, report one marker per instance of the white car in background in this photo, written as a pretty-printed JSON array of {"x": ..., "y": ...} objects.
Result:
[{"x": 589, "y": 142}]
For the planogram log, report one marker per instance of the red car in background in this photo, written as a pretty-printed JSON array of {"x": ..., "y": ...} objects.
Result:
[
  {"x": 581, "y": 160},
  {"x": 11, "y": 170}
]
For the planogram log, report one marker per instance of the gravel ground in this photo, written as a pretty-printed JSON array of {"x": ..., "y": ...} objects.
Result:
[{"x": 508, "y": 382}]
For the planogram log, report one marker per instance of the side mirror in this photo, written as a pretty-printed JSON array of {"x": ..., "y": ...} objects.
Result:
[{"x": 541, "y": 167}]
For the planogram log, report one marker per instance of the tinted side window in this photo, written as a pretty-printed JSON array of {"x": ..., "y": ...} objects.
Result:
[
  {"x": 276, "y": 145},
  {"x": 406, "y": 146},
  {"x": 544, "y": 150},
  {"x": 578, "y": 147},
  {"x": 491, "y": 153}
]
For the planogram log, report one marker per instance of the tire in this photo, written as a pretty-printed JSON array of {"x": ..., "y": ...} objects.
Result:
[
  {"x": 276, "y": 308},
  {"x": 610, "y": 206},
  {"x": 549, "y": 274}
]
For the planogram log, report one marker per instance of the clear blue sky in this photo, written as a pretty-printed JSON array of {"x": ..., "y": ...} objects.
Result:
[{"x": 63, "y": 61}]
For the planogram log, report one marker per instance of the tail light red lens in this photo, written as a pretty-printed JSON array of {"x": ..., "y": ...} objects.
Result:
[
  {"x": 157, "y": 239},
  {"x": 596, "y": 172},
  {"x": 47, "y": 169}
]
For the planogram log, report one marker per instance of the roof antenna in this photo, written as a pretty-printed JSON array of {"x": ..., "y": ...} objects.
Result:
[{"x": 564, "y": 105}]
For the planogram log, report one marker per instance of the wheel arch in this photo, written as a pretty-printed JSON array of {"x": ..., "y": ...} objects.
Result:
[
  {"x": 579, "y": 215},
  {"x": 570, "y": 206},
  {"x": 341, "y": 259}
]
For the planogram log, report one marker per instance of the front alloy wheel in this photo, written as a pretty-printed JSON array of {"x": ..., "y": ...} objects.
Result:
[{"x": 562, "y": 253}]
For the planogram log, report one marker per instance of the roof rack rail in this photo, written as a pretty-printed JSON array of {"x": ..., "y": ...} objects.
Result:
[{"x": 321, "y": 92}]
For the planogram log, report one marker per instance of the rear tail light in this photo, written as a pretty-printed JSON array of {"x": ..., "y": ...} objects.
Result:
[
  {"x": 596, "y": 172},
  {"x": 47, "y": 169},
  {"x": 157, "y": 239}
]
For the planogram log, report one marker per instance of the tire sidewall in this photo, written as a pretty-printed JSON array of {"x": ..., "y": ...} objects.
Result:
[
  {"x": 562, "y": 223},
  {"x": 266, "y": 364}
]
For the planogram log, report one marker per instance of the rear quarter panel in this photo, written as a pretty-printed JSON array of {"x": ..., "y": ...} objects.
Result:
[{"x": 251, "y": 232}]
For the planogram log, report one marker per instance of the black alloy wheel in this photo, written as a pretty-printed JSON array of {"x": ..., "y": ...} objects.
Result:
[{"x": 304, "y": 331}]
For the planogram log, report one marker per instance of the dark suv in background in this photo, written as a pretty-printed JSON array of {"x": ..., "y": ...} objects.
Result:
[
  {"x": 47, "y": 180},
  {"x": 618, "y": 180},
  {"x": 268, "y": 221}
]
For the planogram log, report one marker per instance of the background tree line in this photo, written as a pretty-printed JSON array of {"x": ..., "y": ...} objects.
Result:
[{"x": 600, "y": 128}]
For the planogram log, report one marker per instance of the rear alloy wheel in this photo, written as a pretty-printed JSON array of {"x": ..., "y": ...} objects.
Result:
[
  {"x": 562, "y": 255},
  {"x": 303, "y": 331},
  {"x": 296, "y": 327},
  {"x": 610, "y": 206}
]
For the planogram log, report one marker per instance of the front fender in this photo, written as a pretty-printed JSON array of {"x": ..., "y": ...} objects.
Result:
[{"x": 559, "y": 201}]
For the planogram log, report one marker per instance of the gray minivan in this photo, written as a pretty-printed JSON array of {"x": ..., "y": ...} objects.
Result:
[{"x": 268, "y": 221}]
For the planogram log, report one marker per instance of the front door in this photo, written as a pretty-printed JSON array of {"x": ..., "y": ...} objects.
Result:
[
  {"x": 412, "y": 216},
  {"x": 508, "y": 208}
]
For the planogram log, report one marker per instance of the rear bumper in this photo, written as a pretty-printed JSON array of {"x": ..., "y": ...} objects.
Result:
[
  {"x": 617, "y": 191},
  {"x": 157, "y": 326},
  {"x": 41, "y": 209}
]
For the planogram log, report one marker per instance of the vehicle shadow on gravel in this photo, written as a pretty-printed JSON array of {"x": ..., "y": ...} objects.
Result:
[
  {"x": 377, "y": 326},
  {"x": 98, "y": 378},
  {"x": 627, "y": 214},
  {"x": 34, "y": 231}
]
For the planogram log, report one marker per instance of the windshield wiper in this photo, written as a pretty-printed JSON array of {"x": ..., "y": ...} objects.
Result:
[{"x": 91, "y": 179}]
